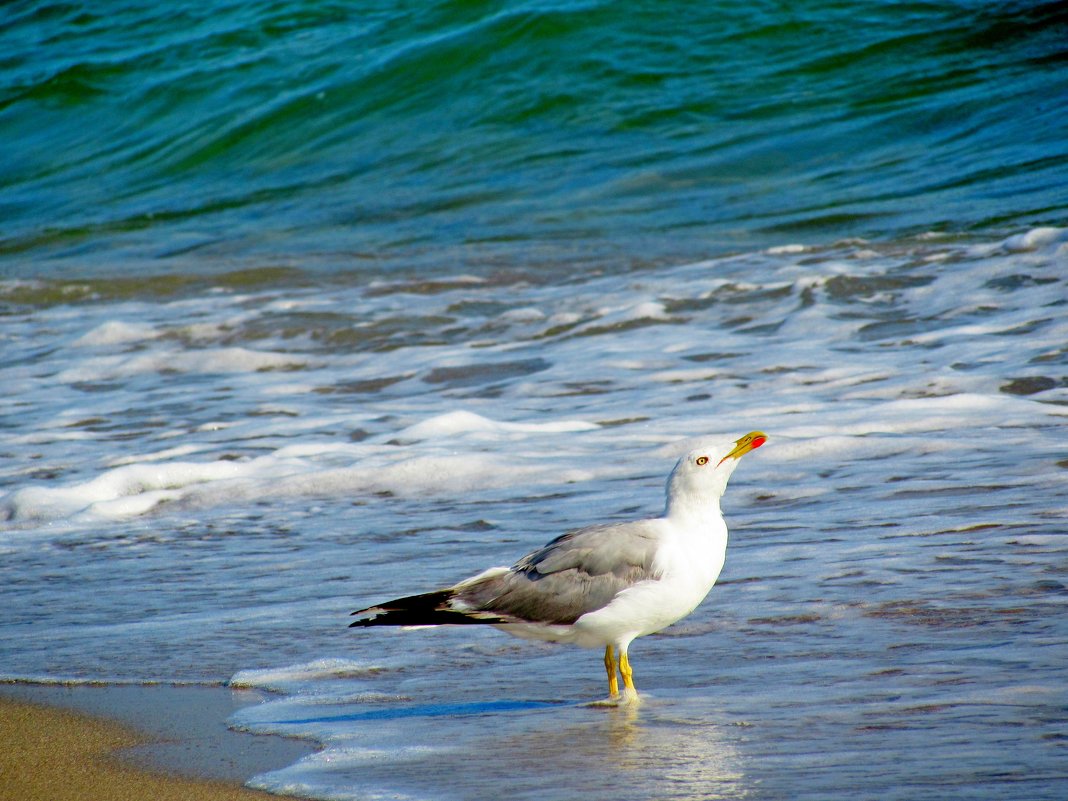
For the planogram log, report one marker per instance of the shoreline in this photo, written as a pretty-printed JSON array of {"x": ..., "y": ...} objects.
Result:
[{"x": 132, "y": 741}]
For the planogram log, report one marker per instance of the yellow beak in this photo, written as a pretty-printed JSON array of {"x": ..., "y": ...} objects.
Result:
[{"x": 750, "y": 442}]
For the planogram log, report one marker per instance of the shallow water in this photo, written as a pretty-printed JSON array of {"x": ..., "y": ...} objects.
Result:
[{"x": 201, "y": 482}]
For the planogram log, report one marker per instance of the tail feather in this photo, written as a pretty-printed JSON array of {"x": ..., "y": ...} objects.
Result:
[{"x": 428, "y": 609}]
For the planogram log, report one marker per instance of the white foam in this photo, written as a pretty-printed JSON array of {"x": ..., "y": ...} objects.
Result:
[
  {"x": 1035, "y": 239},
  {"x": 140, "y": 484},
  {"x": 564, "y": 319},
  {"x": 207, "y": 361},
  {"x": 98, "y": 496},
  {"x": 293, "y": 388},
  {"x": 451, "y": 476},
  {"x": 155, "y": 456},
  {"x": 305, "y": 450},
  {"x": 451, "y": 424},
  {"x": 116, "y": 332},
  {"x": 51, "y": 435},
  {"x": 646, "y": 310},
  {"x": 279, "y": 679}
]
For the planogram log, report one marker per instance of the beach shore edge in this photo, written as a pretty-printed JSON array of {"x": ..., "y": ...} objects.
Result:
[{"x": 130, "y": 742}]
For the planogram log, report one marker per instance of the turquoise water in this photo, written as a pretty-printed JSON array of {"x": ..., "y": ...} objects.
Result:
[{"x": 201, "y": 137}]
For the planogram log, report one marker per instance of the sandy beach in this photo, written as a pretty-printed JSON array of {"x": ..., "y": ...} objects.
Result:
[{"x": 139, "y": 742}]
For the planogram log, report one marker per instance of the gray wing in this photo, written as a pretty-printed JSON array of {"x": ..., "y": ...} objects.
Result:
[{"x": 580, "y": 572}]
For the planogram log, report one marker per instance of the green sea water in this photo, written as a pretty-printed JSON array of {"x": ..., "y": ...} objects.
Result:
[{"x": 329, "y": 137}]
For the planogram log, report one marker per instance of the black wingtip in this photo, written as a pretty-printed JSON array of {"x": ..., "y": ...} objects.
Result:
[
  {"x": 373, "y": 614},
  {"x": 428, "y": 609}
]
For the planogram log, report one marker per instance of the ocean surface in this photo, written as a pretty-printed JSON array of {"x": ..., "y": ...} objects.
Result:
[{"x": 304, "y": 306}]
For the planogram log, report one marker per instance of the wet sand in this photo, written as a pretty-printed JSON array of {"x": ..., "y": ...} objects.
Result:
[{"x": 136, "y": 742}]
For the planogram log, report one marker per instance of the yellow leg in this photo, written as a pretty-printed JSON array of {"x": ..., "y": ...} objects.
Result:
[
  {"x": 628, "y": 676},
  {"x": 610, "y": 666}
]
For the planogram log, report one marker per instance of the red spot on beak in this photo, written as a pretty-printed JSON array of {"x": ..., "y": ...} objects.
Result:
[{"x": 758, "y": 442}]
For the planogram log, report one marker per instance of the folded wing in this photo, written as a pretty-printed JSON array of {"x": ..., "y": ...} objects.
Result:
[{"x": 579, "y": 572}]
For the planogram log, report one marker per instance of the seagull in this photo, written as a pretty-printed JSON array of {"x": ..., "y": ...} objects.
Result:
[{"x": 604, "y": 585}]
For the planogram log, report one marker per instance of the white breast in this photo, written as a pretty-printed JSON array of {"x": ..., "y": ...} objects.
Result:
[{"x": 687, "y": 563}]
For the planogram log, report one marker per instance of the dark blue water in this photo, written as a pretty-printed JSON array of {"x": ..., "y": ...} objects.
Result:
[{"x": 205, "y": 137}]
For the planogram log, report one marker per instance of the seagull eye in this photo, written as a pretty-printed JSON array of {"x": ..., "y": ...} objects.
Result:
[{"x": 702, "y": 461}]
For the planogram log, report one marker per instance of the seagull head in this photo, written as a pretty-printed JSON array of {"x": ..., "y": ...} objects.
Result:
[{"x": 700, "y": 477}]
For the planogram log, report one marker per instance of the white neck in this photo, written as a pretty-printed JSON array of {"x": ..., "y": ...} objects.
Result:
[
  {"x": 695, "y": 499},
  {"x": 684, "y": 506}
]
